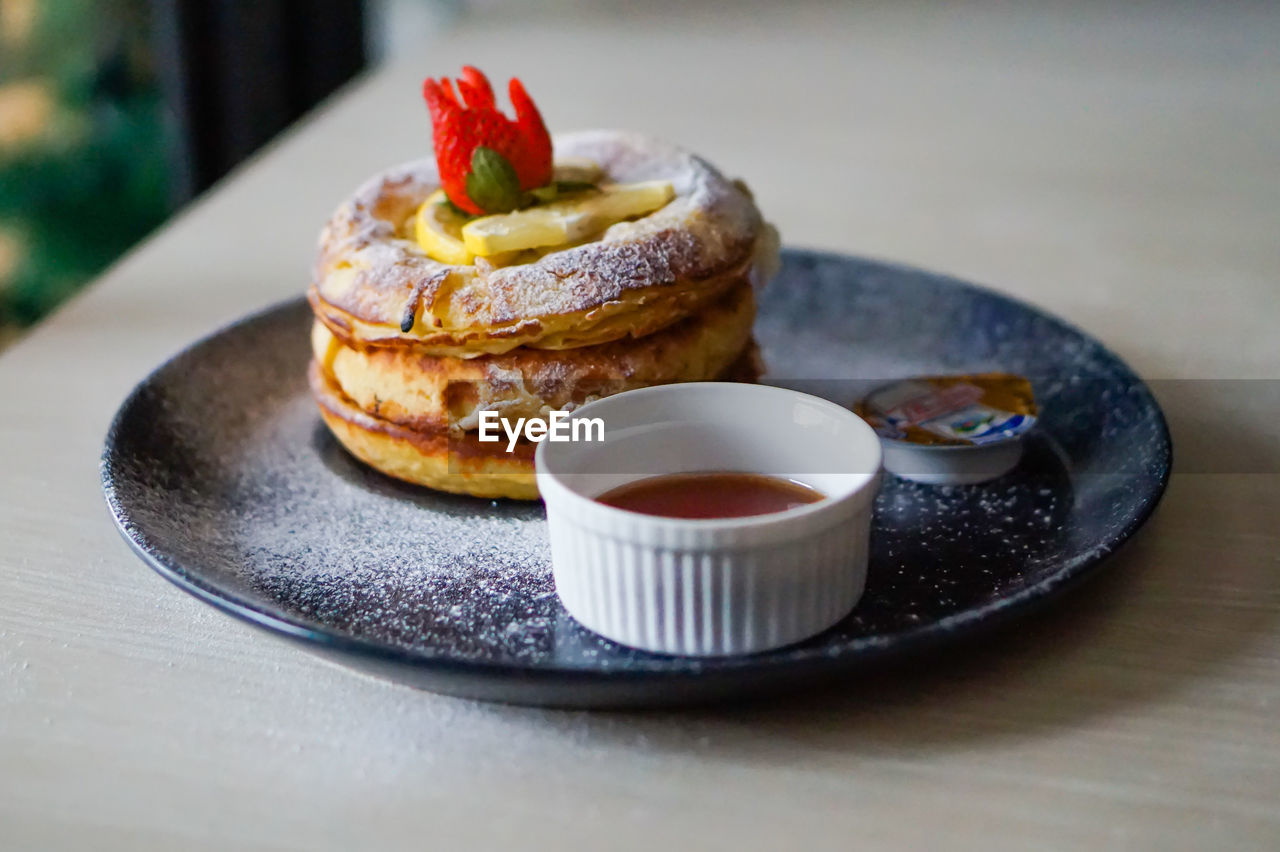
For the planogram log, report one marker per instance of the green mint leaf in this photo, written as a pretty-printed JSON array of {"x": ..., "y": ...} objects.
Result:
[{"x": 492, "y": 183}]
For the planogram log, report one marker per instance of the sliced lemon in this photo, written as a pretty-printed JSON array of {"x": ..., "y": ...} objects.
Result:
[
  {"x": 565, "y": 221},
  {"x": 438, "y": 231}
]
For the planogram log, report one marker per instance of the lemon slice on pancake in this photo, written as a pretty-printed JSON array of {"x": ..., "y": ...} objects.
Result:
[
  {"x": 438, "y": 230},
  {"x": 564, "y": 221}
]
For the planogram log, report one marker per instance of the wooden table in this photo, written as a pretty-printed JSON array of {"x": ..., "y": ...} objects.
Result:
[{"x": 1119, "y": 168}]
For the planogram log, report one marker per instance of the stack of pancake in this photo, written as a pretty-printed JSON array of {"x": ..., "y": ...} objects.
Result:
[{"x": 409, "y": 350}]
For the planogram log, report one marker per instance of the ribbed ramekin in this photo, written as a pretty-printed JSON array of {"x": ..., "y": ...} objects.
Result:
[{"x": 717, "y": 586}]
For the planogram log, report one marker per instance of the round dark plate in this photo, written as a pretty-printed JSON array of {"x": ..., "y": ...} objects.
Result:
[{"x": 221, "y": 476}]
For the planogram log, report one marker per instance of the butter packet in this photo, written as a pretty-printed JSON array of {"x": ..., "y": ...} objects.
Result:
[{"x": 917, "y": 417}]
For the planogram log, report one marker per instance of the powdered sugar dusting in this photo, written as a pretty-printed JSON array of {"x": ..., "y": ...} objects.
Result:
[
  {"x": 263, "y": 499},
  {"x": 384, "y": 560}
]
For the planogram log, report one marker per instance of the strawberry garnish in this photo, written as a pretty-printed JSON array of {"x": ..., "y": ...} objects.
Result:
[{"x": 488, "y": 163}]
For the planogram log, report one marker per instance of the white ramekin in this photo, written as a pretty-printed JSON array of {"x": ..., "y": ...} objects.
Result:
[{"x": 718, "y": 586}]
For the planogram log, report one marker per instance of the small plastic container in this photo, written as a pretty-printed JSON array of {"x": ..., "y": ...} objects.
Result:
[
  {"x": 951, "y": 465},
  {"x": 719, "y": 586},
  {"x": 951, "y": 430}
]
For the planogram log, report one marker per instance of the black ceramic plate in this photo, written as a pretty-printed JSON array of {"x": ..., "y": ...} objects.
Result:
[{"x": 222, "y": 477}]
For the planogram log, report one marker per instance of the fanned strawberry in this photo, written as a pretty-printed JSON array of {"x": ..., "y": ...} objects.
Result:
[{"x": 487, "y": 162}]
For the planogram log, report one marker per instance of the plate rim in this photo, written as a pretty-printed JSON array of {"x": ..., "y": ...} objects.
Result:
[{"x": 858, "y": 653}]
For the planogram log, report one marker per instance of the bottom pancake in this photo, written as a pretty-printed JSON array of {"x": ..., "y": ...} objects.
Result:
[{"x": 444, "y": 460}]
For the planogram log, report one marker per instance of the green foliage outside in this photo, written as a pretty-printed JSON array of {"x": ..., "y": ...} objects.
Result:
[{"x": 83, "y": 147}]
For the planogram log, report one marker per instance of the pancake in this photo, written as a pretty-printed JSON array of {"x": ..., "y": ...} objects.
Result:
[
  {"x": 448, "y": 460},
  {"x": 426, "y": 392},
  {"x": 373, "y": 284}
]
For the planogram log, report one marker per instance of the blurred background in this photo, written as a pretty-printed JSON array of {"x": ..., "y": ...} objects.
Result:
[{"x": 115, "y": 113}]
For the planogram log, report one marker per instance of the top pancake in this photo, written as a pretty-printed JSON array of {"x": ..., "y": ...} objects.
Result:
[{"x": 372, "y": 281}]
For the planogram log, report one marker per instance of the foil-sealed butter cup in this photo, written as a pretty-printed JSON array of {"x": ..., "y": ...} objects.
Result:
[{"x": 952, "y": 430}]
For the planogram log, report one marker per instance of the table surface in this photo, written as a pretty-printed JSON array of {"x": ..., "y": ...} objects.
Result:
[{"x": 1115, "y": 166}]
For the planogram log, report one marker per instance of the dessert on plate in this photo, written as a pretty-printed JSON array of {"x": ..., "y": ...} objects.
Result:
[{"x": 522, "y": 273}]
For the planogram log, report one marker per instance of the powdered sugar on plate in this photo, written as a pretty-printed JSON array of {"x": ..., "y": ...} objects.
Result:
[{"x": 220, "y": 472}]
